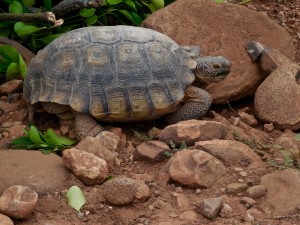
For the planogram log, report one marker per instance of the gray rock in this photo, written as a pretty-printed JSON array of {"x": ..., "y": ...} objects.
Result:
[
  {"x": 283, "y": 191},
  {"x": 244, "y": 76},
  {"x": 42, "y": 173},
  {"x": 87, "y": 167},
  {"x": 5, "y": 220},
  {"x": 195, "y": 168},
  {"x": 95, "y": 146},
  {"x": 151, "y": 151},
  {"x": 229, "y": 152},
  {"x": 191, "y": 131},
  {"x": 210, "y": 207},
  {"x": 256, "y": 191},
  {"x": 18, "y": 202},
  {"x": 235, "y": 188}
]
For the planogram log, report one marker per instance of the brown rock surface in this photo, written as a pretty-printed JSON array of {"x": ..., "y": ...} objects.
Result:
[
  {"x": 195, "y": 168},
  {"x": 18, "y": 202},
  {"x": 229, "y": 152},
  {"x": 190, "y": 131},
  {"x": 190, "y": 22},
  {"x": 283, "y": 191},
  {"x": 277, "y": 98},
  {"x": 42, "y": 173},
  {"x": 90, "y": 169}
]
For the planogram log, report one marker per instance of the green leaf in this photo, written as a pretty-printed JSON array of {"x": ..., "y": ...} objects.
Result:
[
  {"x": 297, "y": 137},
  {"x": 23, "y": 67},
  {"x": 131, "y": 4},
  {"x": 91, "y": 20},
  {"x": 219, "y": 1},
  {"x": 24, "y": 30},
  {"x": 126, "y": 14},
  {"x": 87, "y": 12},
  {"x": 13, "y": 71},
  {"x": 136, "y": 19},
  {"x": 75, "y": 198},
  {"x": 49, "y": 38},
  {"x": 15, "y": 7},
  {"x": 51, "y": 138},
  {"x": 35, "y": 135},
  {"x": 158, "y": 3},
  {"x": 22, "y": 142},
  {"x": 151, "y": 7},
  {"x": 66, "y": 141},
  {"x": 46, "y": 151},
  {"x": 28, "y": 3},
  {"x": 113, "y": 2},
  {"x": 9, "y": 53},
  {"x": 48, "y": 4}
]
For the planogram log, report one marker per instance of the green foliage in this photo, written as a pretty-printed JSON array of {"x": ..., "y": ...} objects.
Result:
[
  {"x": 288, "y": 161},
  {"x": 143, "y": 136},
  {"x": 252, "y": 143},
  {"x": 175, "y": 149},
  {"x": 47, "y": 142},
  {"x": 75, "y": 198},
  {"x": 11, "y": 62}
]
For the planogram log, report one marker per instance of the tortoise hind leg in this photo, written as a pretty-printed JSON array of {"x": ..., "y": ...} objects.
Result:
[
  {"x": 196, "y": 105},
  {"x": 86, "y": 125}
]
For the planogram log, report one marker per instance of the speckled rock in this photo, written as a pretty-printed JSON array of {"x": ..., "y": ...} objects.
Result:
[{"x": 226, "y": 33}]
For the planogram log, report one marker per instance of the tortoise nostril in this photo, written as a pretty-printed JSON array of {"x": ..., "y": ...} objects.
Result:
[{"x": 216, "y": 66}]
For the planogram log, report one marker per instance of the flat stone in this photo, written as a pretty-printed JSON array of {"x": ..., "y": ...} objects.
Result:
[
  {"x": 151, "y": 151},
  {"x": 283, "y": 191},
  {"x": 42, "y": 173},
  {"x": 195, "y": 168},
  {"x": 191, "y": 131},
  {"x": 229, "y": 152},
  {"x": 226, "y": 33}
]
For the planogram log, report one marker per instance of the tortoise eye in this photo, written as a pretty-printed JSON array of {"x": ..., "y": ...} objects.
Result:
[{"x": 216, "y": 66}]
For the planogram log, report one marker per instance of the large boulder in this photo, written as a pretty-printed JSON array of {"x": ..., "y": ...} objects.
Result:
[
  {"x": 40, "y": 172},
  {"x": 223, "y": 29}
]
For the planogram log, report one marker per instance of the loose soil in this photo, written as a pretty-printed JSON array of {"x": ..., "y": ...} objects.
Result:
[{"x": 52, "y": 209}]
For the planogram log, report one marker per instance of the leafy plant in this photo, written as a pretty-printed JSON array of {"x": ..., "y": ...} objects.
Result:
[
  {"x": 288, "y": 161},
  {"x": 11, "y": 62},
  {"x": 47, "y": 142},
  {"x": 143, "y": 136},
  {"x": 174, "y": 149},
  {"x": 252, "y": 143}
]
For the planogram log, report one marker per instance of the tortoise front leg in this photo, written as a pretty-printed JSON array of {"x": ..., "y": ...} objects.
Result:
[
  {"x": 197, "y": 103},
  {"x": 86, "y": 125}
]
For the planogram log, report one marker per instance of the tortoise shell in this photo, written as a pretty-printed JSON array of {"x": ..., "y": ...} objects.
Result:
[{"x": 117, "y": 73}]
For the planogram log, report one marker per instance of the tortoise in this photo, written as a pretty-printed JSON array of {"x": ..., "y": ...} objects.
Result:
[{"x": 120, "y": 73}]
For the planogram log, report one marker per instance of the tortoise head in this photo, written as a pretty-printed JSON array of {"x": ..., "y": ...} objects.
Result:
[{"x": 212, "y": 69}]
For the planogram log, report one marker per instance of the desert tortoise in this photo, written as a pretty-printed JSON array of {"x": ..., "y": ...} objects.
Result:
[{"x": 120, "y": 73}]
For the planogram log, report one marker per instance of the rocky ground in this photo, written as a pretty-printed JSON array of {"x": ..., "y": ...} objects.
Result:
[{"x": 248, "y": 177}]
